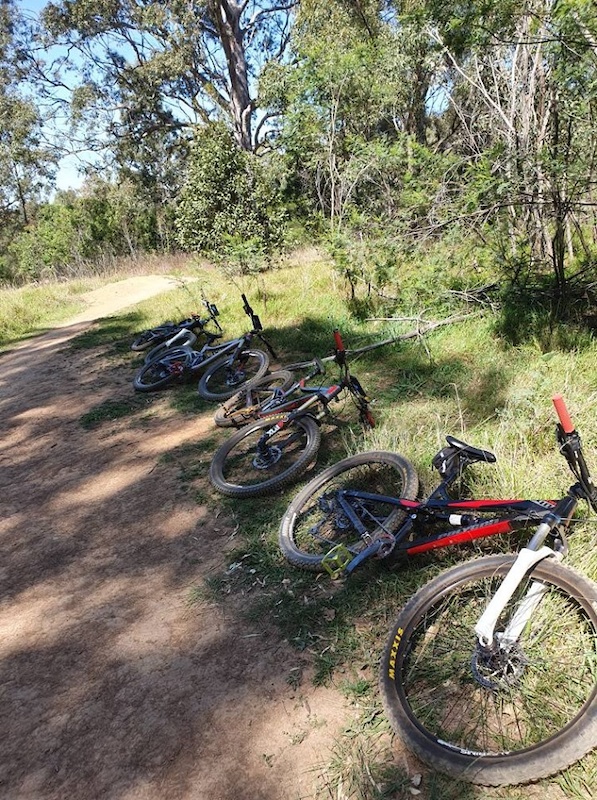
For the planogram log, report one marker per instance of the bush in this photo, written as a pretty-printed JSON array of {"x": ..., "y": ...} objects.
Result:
[{"x": 228, "y": 207}]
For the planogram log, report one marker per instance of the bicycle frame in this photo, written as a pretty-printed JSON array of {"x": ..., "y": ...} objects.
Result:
[
  {"x": 209, "y": 353},
  {"x": 464, "y": 527},
  {"x": 508, "y": 515},
  {"x": 316, "y": 396}
]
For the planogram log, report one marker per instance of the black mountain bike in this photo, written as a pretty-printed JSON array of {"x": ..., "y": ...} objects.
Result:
[
  {"x": 228, "y": 365},
  {"x": 268, "y": 454}
]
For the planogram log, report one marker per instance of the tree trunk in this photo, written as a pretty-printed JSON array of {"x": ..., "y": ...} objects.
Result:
[{"x": 227, "y": 14}]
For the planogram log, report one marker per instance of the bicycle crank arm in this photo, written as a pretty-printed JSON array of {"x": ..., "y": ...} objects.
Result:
[{"x": 369, "y": 551}]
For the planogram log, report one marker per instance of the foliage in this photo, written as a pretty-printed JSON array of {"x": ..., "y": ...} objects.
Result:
[
  {"x": 28, "y": 310},
  {"x": 343, "y": 104},
  {"x": 228, "y": 208},
  {"x": 26, "y": 163},
  {"x": 397, "y": 131},
  {"x": 106, "y": 220},
  {"x": 168, "y": 66}
]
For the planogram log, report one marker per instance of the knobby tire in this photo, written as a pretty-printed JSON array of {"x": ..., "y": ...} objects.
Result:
[
  {"x": 492, "y": 723},
  {"x": 238, "y": 471}
]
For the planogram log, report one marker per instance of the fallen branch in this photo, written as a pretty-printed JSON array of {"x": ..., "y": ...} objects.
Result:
[{"x": 419, "y": 331}]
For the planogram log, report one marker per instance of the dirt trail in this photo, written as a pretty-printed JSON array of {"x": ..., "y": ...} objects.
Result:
[{"x": 111, "y": 684}]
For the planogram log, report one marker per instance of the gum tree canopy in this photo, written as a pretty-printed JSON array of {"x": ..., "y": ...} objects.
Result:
[{"x": 147, "y": 66}]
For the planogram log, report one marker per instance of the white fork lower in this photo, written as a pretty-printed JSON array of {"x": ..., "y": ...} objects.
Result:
[{"x": 485, "y": 627}]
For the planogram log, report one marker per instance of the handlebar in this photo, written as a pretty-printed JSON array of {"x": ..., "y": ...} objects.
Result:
[
  {"x": 256, "y": 322},
  {"x": 340, "y": 354},
  {"x": 571, "y": 447},
  {"x": 246, "y": 307},
  {"x": 213, "y": 312},
  {"x": 562, "y": 412}
]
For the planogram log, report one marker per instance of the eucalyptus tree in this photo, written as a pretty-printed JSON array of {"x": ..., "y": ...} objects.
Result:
[
  {"x": 524, "y": 92},
  {"x": 26, "y": 163},
  {"x": 352, "y": 105},
  {"x": 150, "y": 68}
]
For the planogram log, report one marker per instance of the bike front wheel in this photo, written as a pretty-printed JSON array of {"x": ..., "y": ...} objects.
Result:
[
  {"x": 506, "y": 717},
  {"x": 243, "y": 468},
  {"x": 315, "y": 521},
  {"x": 222, "y": 379},
  {"x": 151, "y": 338},
  {"x": 245, "y": 405}
]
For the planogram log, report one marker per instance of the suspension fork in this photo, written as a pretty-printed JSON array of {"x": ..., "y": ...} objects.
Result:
[
  {"x": 528, "y": 557},
  {"x": 243, "y": 342}
]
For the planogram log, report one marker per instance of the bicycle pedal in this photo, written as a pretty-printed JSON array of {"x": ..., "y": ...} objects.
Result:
[{"x": 336, "y": 560}]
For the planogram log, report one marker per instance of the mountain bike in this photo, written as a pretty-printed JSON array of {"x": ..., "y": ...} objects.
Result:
[
  {"x": 365, "y": 507},
  {"x": 185, "y": 336},
  {"x": 155, "y": 336},
  {"x": 490, "y": 671},
  {"x": 231, "y": 364},
  {"x": 270, "y": 453}
]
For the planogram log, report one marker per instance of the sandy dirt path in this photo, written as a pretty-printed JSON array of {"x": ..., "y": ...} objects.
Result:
[{"x": 113, "y": 685}]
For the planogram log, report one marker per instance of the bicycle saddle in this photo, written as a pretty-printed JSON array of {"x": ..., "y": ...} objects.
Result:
[
  {"x": 324, "y": 391},
  {"x": 473, "y": 453}
]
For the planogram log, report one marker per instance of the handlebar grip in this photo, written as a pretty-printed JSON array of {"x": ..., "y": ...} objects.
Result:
[
  {"x": 562, "y": 412},
  {"x": 246, "y": 307},
  {"x": 339, "y": 342}
]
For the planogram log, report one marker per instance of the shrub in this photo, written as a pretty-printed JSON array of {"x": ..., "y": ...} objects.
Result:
[{"x": 228, "y": 206}]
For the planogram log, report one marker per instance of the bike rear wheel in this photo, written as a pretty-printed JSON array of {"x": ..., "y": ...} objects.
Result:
[
  {"x": 509, "y": 718},
  {"x": 315, "y": 522},
  {"x": 163, "y": 371},
  {"x": 221, "y": 380},
  {"x": 245, "y": 405},
  {"x": 238, "y": 469}
]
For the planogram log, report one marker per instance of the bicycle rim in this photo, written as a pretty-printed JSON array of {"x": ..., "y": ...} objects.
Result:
[
  {"x": 496, "y": 720},
  {"x": 316, "y": 521},
  {"x": 240, "y": 469},
  {"x": 222, "y": 380}
]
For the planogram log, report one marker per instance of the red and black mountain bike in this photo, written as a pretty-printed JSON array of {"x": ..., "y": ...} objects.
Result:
[
  {"x": 490, "y": 670},
  {"x": 365, "y": 507}
]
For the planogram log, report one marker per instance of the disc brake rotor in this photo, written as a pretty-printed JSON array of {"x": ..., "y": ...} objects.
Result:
[
  {"x": 498, "y": 667},
  {"x": 268, "y": 458},
  {"x": 236, "y": 377}
]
